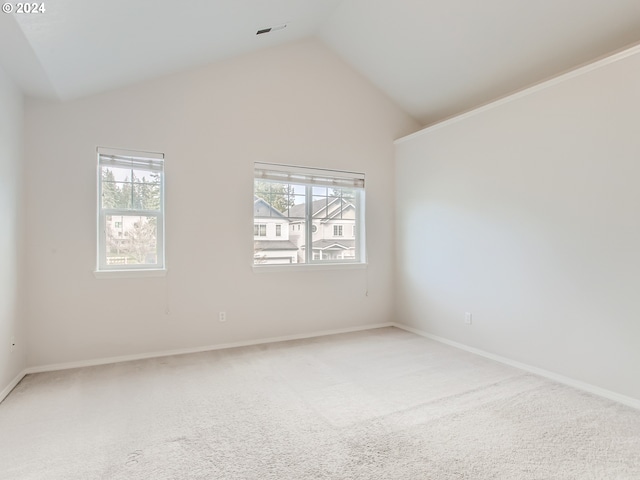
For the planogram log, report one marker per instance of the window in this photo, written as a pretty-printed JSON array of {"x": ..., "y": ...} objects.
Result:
[
  {"x": 130, "y": 210},
  {"x": 260, "y": 230},
  {"x": 317, "y": 204}
]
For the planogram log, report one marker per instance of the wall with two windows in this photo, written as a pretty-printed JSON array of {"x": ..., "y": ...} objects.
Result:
[
  {"x": 12, "y": 321},
  {"x": 295, "y": 105}
]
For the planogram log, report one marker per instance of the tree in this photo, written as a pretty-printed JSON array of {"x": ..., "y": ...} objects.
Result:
[
  {"x": 146, "y": 192},
  {"x": 111, "y": 194},
  {"x": 346, "y": 195},
  {"x": 278, "y": 195},
  {"x": 141, "y": 239}
]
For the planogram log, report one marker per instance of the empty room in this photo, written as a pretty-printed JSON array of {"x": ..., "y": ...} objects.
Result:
[{"x": 304, "y": 239}]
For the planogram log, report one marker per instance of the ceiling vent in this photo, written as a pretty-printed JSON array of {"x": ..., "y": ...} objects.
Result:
[{"x": 271, "y": 29}]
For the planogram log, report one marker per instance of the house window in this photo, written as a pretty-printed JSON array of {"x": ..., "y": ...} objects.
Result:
[
  {"x": 260, "y": 230},
  {"x": 321, "y": 203},
  {"x": 130, "y": 210}
]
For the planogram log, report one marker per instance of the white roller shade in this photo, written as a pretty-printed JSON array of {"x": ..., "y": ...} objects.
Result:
[
  {"x": 308, "y": 176},
  {"x": 145, "y": 161}
]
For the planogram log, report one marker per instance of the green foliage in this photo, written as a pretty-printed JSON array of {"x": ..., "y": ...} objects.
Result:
[
  {"x": 133, "y": 193},
  {"x": 142, "y": 240},
  {"x": 111, "y": 194},
  {"x": 278, "y": 195}
]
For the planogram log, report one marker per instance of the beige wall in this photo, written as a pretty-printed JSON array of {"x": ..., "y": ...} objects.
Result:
[
  {"x": 11, "y": 321},
  {"x": 528, "y": 216},
  {"x": 297, "y": 104}
]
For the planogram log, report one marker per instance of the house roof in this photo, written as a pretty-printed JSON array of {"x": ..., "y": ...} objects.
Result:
[
  {"x": 319, "y": 206},
  {"x": 262, "y": 209},
  {"x": 332, "y": 244},
  {"x": 266, "y": 245}
]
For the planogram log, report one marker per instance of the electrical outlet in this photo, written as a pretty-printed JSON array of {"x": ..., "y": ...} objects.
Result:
[
  {"x": 467, "y": 318},
  {"x": 13, "y": 343},
  {"x": 222, "y": 316}
]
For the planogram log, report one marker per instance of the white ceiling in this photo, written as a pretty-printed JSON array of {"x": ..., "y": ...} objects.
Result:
[{"x": 435, "y": 58}]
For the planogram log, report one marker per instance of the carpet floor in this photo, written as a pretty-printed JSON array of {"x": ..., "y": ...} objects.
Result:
[{"x": 380, "y": 404}]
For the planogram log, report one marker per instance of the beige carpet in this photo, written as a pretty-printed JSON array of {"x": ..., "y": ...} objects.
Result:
[{"x": 381, "y": 404}]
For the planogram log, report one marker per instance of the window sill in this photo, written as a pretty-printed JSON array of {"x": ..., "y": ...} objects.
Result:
[
  {"x": 306, "y": 267},
  {"x": 159, "y": 272}
]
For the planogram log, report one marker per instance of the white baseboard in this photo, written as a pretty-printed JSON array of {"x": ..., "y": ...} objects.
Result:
[
  {"x": 182, "y": 351},
  {"x": 7, "y": 390},
  {"x": 587, "y": 387}
]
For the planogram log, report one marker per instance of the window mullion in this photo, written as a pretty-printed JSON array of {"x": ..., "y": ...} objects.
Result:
[
  {"x": 309, "y": 221},
  {"x": 359, "y": 238}
]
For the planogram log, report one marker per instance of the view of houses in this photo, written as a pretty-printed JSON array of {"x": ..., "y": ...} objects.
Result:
[{"x": 280, "y": 233}]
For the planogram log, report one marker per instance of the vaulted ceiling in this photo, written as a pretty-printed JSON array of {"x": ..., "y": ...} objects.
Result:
[{"x": 434, "y": 58}]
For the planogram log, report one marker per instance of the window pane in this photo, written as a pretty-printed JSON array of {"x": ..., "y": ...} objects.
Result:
[
  {"x": 277, "y": 196},
  {"x": 279, "y": 227},
  {"x": 146, "y": 176},
  {"x": 131, "y": 240},
  {"x": 146, "y": 196},
  {"x": 320, "y": 204},
  {"x": 335, "y": 238},
  {"x": 141, "y": 194},
  {"x": 116, "y": 195},
  {"x": 116, "y": 174}
]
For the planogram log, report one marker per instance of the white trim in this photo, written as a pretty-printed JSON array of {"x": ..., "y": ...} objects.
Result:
[
  {"x": 308, "y": 267},
  {"x": 623, "y": 399},
  {"x": 207, "y": 348},
  {"x": 581, "y": 70},
  {"x": 12, "y": 384},
  {"x": 131, "y": 273},
  {"x": 587, "y": 387}
]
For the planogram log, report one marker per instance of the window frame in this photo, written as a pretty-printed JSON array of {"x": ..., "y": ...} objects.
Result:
[
  {"x": 302, "y": 176},
  {"x": 157, "y": 159}
]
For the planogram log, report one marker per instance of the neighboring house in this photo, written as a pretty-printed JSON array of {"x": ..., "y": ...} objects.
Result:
[
  {"x": 271, "y": 243},
  {"x": 280, "y": 239},
  {"x": 121, "y": 230},
  {"x": 333, "y": 228}
]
